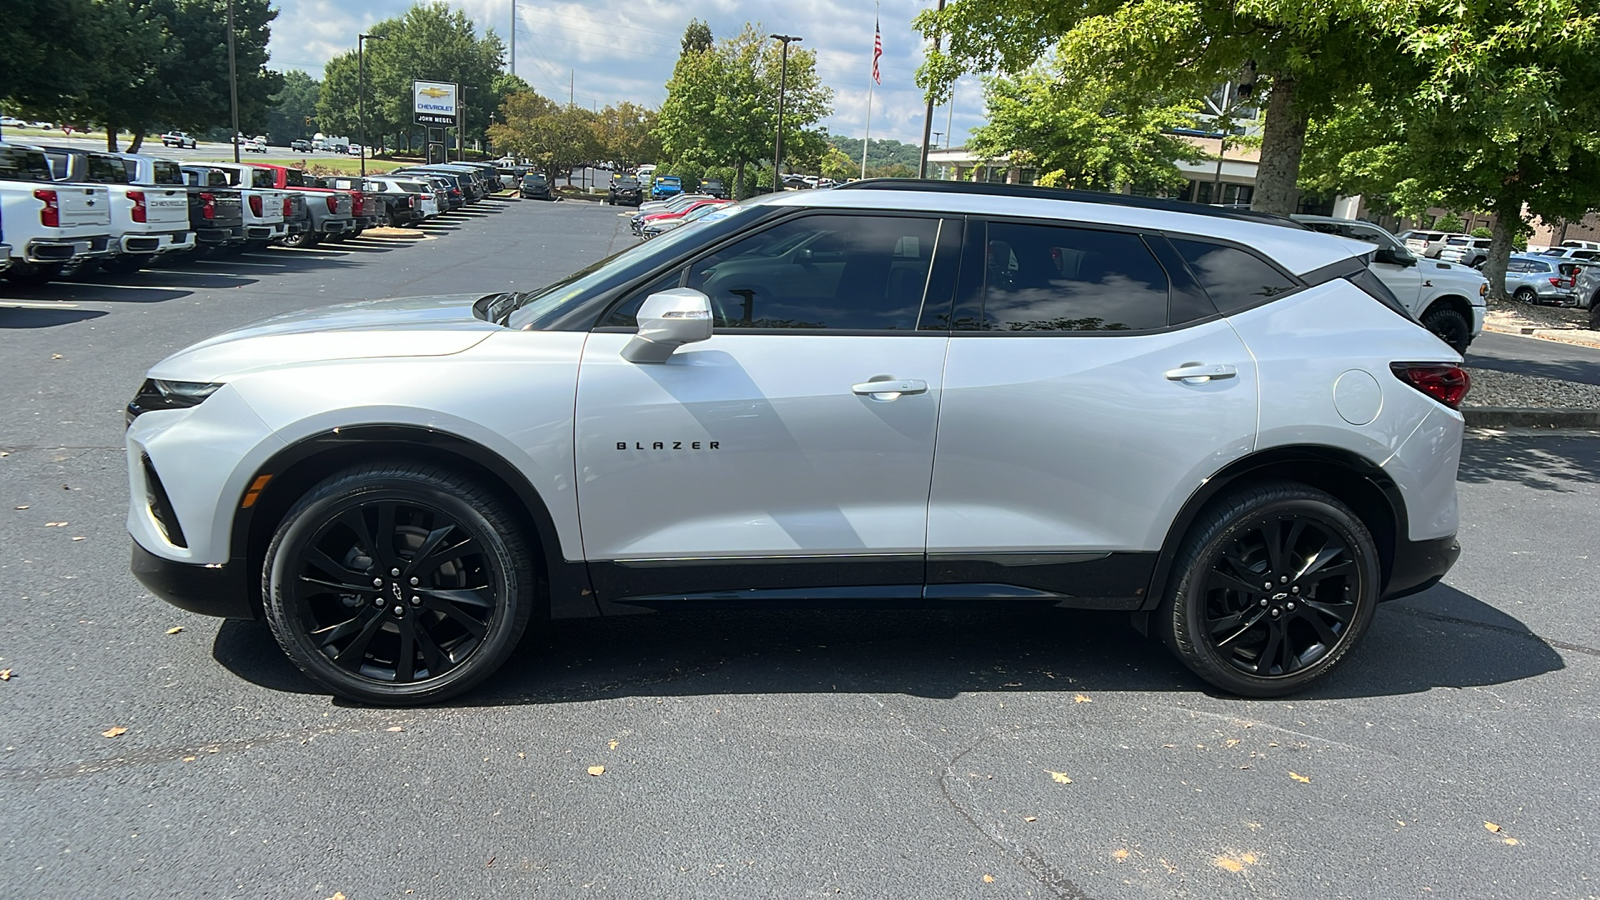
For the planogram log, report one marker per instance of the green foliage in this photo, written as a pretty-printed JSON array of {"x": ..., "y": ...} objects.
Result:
[
  {"x": 555, "y": 137},
  {"x": 837, "y": 166},
  {"x": 1449, "y": 222},
  {"x": 292, "y": 106},
  {"x": 1482, "y": 231},
  {"x": 883, "y": 156},
  {"x": 721, "y": 104},
  {"x": 626, "y": 134},
  {"x": 697, "y": 37},
  {"x": 1085, "y": 134}
]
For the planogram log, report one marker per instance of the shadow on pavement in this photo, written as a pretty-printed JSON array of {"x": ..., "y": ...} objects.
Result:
[
  {"x": 1564, "y": 370},
  {"x": 1547, "y": 460},
  {"x": 1444, "y": 638},
  {"x": 38, "y": 317}
]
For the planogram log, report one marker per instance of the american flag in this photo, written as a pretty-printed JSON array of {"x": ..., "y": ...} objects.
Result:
[{"x": 877, "y": 50}]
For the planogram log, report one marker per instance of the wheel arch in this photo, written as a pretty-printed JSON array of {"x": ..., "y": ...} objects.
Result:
[
  {"x": 297, "y": 467},
  {"x": 1355, "y": 481},
  {"x": 1454, "y": 302}
]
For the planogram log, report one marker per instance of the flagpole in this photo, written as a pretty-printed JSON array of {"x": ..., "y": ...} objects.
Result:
[
  {"x": 868, "y": 139},
  {"x": 877, "y": 51}
]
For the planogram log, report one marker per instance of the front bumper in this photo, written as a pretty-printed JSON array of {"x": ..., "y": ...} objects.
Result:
[
  {"x": 1478, "y": 315},
  {"x": 218, "y": 590},
  {"x": 1418, "y": 565}
]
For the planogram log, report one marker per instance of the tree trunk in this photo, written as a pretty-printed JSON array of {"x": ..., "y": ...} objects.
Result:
[
  {"x": 738, "y": 181},
  {"x": 1507, "y": 221},
  {"x": 111, "y": 137},
  {"x": 1283, "y": 140},
  {"x": 137, "y": 142}
]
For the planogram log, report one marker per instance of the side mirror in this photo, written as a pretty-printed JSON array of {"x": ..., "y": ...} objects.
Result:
[
  {"x": 1393, "y": 257},
  {"x": 667, "y": 321}
]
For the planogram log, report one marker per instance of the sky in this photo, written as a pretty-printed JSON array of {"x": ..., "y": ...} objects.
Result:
[{"x": 613, "y": 50}]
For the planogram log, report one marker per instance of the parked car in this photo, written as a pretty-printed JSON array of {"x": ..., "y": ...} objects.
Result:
[
  {"x": 1579, "y": 253},
  {"x": 666, "y": 186},
  {"x": 179, "y": 139},
  {"x": 1425, "y": 244},
  {"x": 329, "y": 210},
  {"x": 424, "y": 202},
  {"x": 1248, "y": 446},
  {"x": 1582, "y": 245},
  {"x": 216, "y": 207},
  {"x": 145, "y": 221},
  {"x": 1449, "y": 300},
  {"x": 1466, "y": 250},
  {"x": 536, "y": 187},
  {"x": 675, "y": 203},
  {"x": 1539, "y": 279},
  {"x": 255, "y": 146},
  {"x": 301, "y": 145},
  {"x": 624, "y": 190},
  {"x": 265, "y": 216},
  {"x": 640, "y": 223},
  {"x": 1586, "y": 286},
  {"x": 662, "y": 225},
  {"x": 713, "y": 187},
  {"x": 387, "y": 207},
  {"x": 48, "y": 224}
]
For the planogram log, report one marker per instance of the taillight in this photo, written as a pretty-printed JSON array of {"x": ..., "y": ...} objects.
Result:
[
  {"x": 333, "y": 203},
  {"x": 286, "y": 208},
  {"x": 255, "y": 205},
  {"x": 208, "y": 205},
  {"x": 140, "y": 212},
  {"x": 1445, "y": 383},
  {"x": 50, "y": 216}
]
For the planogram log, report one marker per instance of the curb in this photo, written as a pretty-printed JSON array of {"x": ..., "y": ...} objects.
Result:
[
  {"x": 1529, "y": 417},
  {"x": 1556, "y": 335}
]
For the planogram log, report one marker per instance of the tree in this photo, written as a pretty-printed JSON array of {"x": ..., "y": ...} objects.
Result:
[
  {"x": 1493, "y": 110},
  {"x": 626, "y": 134},
  {"x": 837, "y": 166},
  {"x": 294, "y": 108},
  {"x": 50, "y": 57},
  {"x": 554, "y": 136},
  {"x": 1085, "y": 134},
  {"x": 1449, "y": 222},
  {"x": 1309, "y": 56},
  {"x": 721, "y": 105},
  {"x": 697, "y": 37}
]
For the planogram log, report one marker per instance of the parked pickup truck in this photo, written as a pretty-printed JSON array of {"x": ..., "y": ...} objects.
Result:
[
  {"x": 177, "y": 139},
  {"x": 384, "y": 210},
  {"x": 216, "y": 208},
  {"x": 145, "y": 221},
  {"x": 48, "y": 223},
  {"x": 330, "y": 209},
  {"x": 263, "y": 204}
]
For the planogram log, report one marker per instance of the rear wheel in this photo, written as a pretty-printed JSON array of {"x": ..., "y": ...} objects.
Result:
[
  {"x": 1526, "y": 294},
  {"x": 27, "y": 274},
  {"x": 1450, "y": 326},
  {"x": 303, "y": 239},
  {"x": 398, "y": 584},
  {"x": 1272, "y": 589},
  {"x": 126, "y": 263}
]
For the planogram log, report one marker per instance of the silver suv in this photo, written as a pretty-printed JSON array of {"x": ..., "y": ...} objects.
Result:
[{"x": 891, "y": 392}]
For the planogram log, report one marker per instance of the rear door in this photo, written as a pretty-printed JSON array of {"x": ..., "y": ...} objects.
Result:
[{"x": 1090, "y": 388}]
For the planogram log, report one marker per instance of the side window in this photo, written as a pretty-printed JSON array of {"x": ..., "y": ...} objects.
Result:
[
  {"x": 1051, "y": 278},
  {"x": 1234, "y": 279},
  {"x": 626, "y": 313},
  {"x": 866, "y": 273},
  {"x": 1518, "y": 265}
]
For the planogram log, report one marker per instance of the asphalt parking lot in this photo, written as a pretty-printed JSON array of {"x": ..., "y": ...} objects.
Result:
[{"x": 939, "y": 754}]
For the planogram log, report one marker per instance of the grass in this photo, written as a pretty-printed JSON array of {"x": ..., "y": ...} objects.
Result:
[{"x": 316, "y": 165}]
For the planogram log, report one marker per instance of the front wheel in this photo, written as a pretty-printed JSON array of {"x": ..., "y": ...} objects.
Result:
[
  {"x": 1526, "y": 294},
  {"x": 303, "y": 239},
  {"x": 1272, "y": 589},
  {"x": 397, "y": 584},
  {"x": 1450, "y": 326}
]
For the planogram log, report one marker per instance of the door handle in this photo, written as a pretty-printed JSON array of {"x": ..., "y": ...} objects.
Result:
[
  {"x": 886, "y": 389},
  {"x": 1197, "y": 373}
]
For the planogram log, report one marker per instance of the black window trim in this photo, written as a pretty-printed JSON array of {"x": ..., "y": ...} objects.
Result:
[
  {"x": 978, "y": 288},
  {"x": 1299, "y": 282},
  {"x": 615, "y": 296}
]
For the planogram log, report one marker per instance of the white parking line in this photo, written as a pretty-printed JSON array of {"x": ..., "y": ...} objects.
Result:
[
  {"x": 28, "y": 304},
  {"x": 227, "y": 262}
]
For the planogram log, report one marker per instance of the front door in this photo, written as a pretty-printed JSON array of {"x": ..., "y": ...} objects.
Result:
[{"x": 767, "y": 459}]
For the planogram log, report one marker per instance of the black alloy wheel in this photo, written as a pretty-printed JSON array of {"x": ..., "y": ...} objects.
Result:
[
  {"x": 303, "y": 239},
  {"x": 1274, "y": 587},
  {"x": 397, "y": 584}
]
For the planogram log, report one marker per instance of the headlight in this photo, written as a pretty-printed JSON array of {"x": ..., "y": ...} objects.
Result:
[{"x": 158, "y": 394}]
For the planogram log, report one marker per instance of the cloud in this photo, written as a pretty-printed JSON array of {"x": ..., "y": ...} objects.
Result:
[{"x": 608, "y": 51}]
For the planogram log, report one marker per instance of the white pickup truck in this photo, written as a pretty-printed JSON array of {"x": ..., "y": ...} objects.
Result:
[
  {"x": 1449, "y": 300},
  {"x": 145, "y": 220},
  {"x": 48, "y": 223},
  {"x": 263, "y": 205}
]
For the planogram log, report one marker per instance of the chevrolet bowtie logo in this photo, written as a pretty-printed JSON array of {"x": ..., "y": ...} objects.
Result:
[{"x": 434, "y": 93}]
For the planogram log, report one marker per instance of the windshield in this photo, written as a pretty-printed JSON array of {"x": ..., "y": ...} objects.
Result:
[
  {"x": 167, "y": 172},
  {"x": 536, "y": 305}
]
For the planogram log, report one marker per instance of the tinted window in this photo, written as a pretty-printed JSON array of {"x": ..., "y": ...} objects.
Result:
[
  {"x": 1234, "y": 279},
  {"x": 1047, "y": 278},
  {"x": 107, "y": 169},
  {"x": 17, "y": 164},
  {"x": 167, "y": 172},
  {"x": 294, "y": 178},
  {"x": 833, "y": 272}
]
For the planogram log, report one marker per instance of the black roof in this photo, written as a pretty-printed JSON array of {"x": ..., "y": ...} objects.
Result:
[{"x": 1048, "y": 193}]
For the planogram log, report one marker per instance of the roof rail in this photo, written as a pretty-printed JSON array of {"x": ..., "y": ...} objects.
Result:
[{"x": 1048, "y": 193}]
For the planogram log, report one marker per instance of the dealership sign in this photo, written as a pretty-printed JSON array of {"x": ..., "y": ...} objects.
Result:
[{"x": 435, "y": 103}]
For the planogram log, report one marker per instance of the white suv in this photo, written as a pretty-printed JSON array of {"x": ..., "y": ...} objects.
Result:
[{"x": 892, "y": 392}]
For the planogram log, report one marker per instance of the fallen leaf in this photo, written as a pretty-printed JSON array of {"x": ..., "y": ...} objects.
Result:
[
  {"x": 176, "y": 629},
  {"x": 395, "y": 728},
  {"x": 1492, "y": 827},
  {"x": 1233, "y": 742},
  {"x": 1080, "y": 698},
  {"x": 613, "y": 745},
  {"x": 1119, "y": 854},
  {"x": 114, "y": 731},
  {"x": 24, "y": 506},
  {"x": 521, "y": 755},
  {"x": 1030, "y": 818},
  {"x": 597, "y": 770},
  {"x": 1300, "y": 778},
  {"x": 5, "y": 674},
  {"x": 1510, "y": 841},
  {"x": 190, "y": 758},
  {"x": 55, "y": 356},
  {"x": 1228, "y": 863},
  {"x": 988, "y": 879},
  {"x": 1059, "y": 777},
  {"x": 337, "y": 895}
]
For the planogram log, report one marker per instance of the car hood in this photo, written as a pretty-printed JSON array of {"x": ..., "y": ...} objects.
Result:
[{"x": 414, "y": 326}]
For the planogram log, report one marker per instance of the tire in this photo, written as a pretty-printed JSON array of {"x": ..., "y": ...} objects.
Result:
[
  {"x": 353, "y": 626},
  {"x": 126, "y": 263},
  {"x": 1276, "y": 643},
  {"x": 26, "y": 274},
  {"x": 1450, "y": 326},
  {"x": 303, "y": 239},
  {"x": 1526, "y": 294}
]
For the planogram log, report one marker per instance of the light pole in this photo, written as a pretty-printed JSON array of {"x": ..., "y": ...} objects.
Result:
[
  {"x": 233, "y": 85},
  {"x": 927, "y": 115},
  {"x": 361, "y": 93},
  {"x": 783, "y": 82}
]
